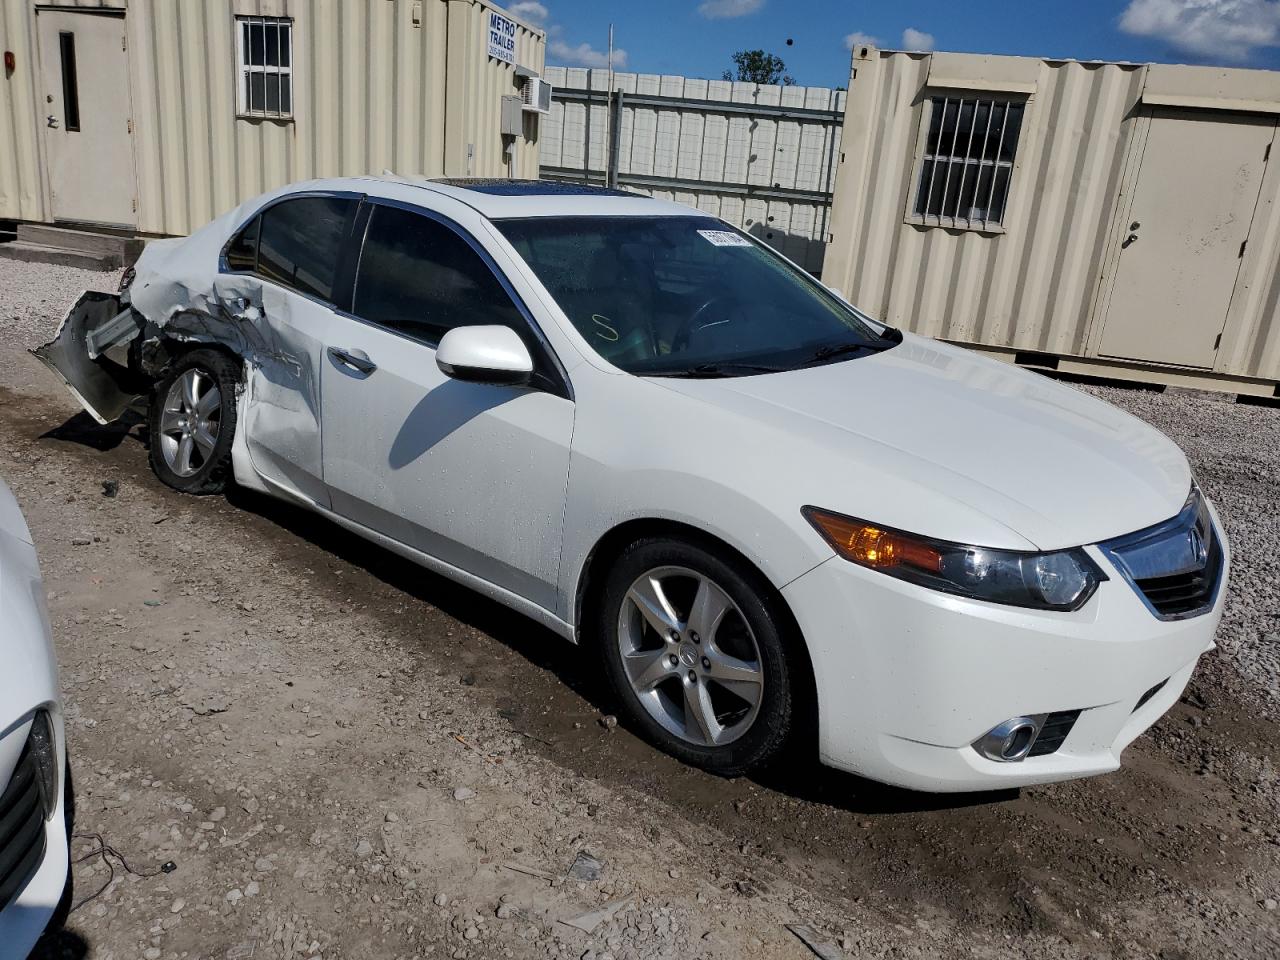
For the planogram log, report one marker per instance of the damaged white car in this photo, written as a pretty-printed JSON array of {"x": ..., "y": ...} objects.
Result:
[{"x": 772, "y": 518}]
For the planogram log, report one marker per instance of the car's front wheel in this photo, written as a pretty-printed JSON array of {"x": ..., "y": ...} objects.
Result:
[
  {"x": 694, "y": 646},
  {"x": 193, "y": 420}
]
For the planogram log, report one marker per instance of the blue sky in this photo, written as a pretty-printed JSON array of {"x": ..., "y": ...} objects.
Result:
[{"x": 696, "y": 37}]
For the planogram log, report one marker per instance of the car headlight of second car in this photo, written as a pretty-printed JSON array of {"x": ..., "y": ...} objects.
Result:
[{"x": 1058, "y": 580}]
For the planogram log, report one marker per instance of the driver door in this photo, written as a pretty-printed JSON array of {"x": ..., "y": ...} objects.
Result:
[{"x": 471, "y": 474}]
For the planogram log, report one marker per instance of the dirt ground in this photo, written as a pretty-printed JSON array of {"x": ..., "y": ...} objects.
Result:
[{"x": 348, "y": 757}]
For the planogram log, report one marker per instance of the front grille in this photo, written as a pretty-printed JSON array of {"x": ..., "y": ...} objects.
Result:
[
  {"x": 22, "y": 835},
  {"x": 1053, "y": 732},
  {"x": 1175, "y": 566}
]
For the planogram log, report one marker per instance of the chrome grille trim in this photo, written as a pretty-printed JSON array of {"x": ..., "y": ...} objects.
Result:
[{"x": 1175, "y": 567}]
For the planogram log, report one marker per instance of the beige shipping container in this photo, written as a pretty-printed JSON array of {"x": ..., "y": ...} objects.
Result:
[
  {"x": 1117, "y": 219},
  {"x": 183, "y": 108}
]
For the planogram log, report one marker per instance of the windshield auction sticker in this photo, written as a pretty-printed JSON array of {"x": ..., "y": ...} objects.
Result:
[{"x": 724, "y": 238}]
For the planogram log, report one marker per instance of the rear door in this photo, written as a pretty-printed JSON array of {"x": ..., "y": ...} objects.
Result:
[
  {"x": 282, "y": 274},
  {"x": 472, "y": 474}
]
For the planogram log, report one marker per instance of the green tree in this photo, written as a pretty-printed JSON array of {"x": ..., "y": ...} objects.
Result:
[{"x": 756, "y": 66}]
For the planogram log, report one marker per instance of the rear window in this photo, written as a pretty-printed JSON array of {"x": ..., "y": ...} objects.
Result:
[{"x": 295, "y": 243}]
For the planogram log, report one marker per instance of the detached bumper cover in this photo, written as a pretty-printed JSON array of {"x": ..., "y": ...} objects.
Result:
[{"x": 100, "y": 383}]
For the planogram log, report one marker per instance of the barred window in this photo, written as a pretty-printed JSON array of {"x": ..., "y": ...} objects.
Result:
[
  {"x": 968, "y": 161},
  {"x": 264, "y": 46}
]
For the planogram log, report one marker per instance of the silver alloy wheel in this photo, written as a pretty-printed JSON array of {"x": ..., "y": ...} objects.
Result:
[
  {"x": 691, "y": 656},
  {"x": 190, "y": 422}
]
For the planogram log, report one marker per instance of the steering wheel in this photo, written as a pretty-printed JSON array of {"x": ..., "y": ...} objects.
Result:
[{"x": 680, "y": 339}]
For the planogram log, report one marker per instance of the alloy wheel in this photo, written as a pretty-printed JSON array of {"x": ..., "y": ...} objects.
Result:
[
  {"x": 690, "y": 656},
  {"x": 190, "y": 422}
]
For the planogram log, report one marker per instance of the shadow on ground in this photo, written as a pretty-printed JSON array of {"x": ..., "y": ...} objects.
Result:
[
  {"x": 800, "y": 776},
  {"x": 82, "y": 429},
  {"x": 64, "y": 944}
]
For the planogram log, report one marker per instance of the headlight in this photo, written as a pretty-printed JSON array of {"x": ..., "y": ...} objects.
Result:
[
  {"x": 1062, "y": 580},
  {"x": 43, "y": 745}
]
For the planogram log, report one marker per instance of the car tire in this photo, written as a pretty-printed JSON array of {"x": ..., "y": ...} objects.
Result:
[
  {"x": 693, "y": 695},
  {"x": 192, "y": 422}
]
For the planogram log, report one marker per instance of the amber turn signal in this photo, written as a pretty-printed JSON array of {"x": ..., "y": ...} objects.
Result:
[{"x": 871, "y": 546}]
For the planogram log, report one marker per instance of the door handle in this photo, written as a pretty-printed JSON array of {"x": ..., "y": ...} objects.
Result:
[
  {"x": 357, "y": 360},
  {"x": 52, "y": 121},
  {"x": 1131, "y": 238}
]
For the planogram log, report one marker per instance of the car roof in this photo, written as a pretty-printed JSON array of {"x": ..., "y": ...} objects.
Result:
[{"x": 515, "y": 199}]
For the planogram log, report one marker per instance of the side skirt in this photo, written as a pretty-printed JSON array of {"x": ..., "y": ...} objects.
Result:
[{"x": 503, "y": 596}]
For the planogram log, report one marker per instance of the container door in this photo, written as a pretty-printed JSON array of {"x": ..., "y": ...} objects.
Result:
[
  {"x": 85, "y": 82},
  {"x": 1184, "y": 236}
]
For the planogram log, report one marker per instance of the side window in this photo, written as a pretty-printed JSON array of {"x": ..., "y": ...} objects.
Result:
[
  {"x": 419, "y": 277},
  {"x": 300, "y": 240},
  {"x": 242, "y": 251}
]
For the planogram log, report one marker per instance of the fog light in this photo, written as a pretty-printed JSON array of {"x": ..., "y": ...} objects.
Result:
[{"x": 1010, "y": 741}]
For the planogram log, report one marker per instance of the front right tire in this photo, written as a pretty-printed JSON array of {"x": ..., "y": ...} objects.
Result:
[{"x": 695, "y": 649}]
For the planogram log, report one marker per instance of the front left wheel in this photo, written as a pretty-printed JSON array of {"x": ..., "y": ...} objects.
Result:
[
  {"x": 193, "y": 421},
  {"x": 693, "y": 643}
]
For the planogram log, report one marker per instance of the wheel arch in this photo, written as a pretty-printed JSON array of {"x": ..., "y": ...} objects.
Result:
[
  {"x": 610, "y": 546},
  {"x": 169, "y": 350}
]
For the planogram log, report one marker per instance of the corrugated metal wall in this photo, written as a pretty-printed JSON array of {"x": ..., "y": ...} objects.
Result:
[
  {"x": 1028, "y": 288},
  {"x": 1035, "y": 285},
  {"x": 373, "y": 91},
  {"x": 766, "y": 173}
]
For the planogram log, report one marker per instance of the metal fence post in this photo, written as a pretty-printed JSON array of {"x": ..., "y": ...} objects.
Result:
[{"x": 615, "y": 138}]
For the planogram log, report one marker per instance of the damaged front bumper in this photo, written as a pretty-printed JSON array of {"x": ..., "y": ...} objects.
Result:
[{"x": 91, "y": 354}]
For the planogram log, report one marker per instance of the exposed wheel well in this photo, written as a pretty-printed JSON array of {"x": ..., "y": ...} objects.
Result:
[
  {"x": 610, "y": 547},
  {"x": 168, "y": 351}
]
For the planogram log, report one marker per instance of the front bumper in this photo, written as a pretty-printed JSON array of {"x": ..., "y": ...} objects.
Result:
[
  {"x": 908, "y": 678},
  {"x": 26, "y": 917}
]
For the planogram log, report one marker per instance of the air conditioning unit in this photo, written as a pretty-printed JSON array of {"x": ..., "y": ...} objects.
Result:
[{"x": 536, "y": 94}]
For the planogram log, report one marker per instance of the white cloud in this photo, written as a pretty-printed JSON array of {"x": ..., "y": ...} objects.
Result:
[
  {"x": 860, "y": 39},
  {"x": 727, "y": 9},
  {"x": 585, "y": 55},
  {"x": 913, "y": 39},
  {"x": 560, "y": 50},
  {"x": 1225, "y": 29},
  {"x": 531, "y": 11}
]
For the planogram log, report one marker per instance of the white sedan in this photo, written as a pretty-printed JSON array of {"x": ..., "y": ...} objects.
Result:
[
  {"x": 772, "y": 519},
  {"x": 35, "y": 802}
]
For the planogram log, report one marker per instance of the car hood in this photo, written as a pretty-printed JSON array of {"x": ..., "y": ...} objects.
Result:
[{"x": 1053, "y": 465}]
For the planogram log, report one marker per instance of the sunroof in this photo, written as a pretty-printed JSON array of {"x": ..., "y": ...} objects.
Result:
[{"x": 531, "y": 188}]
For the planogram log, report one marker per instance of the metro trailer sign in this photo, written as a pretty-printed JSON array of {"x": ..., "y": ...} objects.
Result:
[{"x": 502, "y": 38}]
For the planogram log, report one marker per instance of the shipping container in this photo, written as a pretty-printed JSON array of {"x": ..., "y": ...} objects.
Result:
[
  {"x": 156, "y": 115},
  {"x": 1112, "y": 218}
]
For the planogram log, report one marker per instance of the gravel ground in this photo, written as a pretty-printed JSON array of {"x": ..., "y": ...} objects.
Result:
[
  {"x": 347, "y": 757},
  {"x": 1234, "y": 450}
]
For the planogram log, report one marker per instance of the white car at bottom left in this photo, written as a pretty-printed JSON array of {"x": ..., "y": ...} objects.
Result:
[{"x": 35, "y": 795}]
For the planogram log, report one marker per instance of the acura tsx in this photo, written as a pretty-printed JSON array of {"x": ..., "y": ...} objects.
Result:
[{"x": 769, "y": 516}]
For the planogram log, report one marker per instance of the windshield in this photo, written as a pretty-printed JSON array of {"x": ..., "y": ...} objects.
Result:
[{"x": 688, "y": 296}]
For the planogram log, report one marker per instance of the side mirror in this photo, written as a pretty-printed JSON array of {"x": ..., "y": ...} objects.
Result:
[{"x": 490, "y": 354}]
